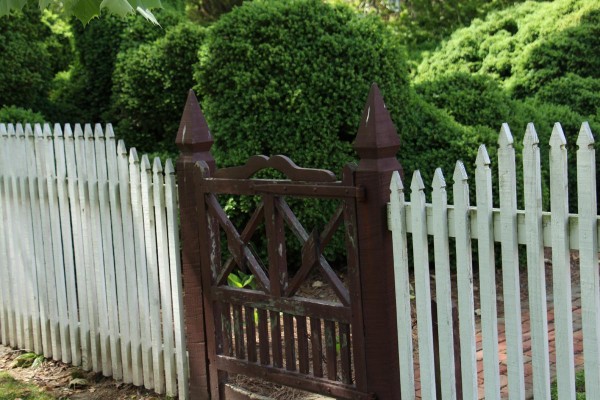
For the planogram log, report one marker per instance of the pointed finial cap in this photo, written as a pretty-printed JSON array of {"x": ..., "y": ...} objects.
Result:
[
  {"x": 377, "y": 137},
  {"x": 194, "y": 139},
  {"x": 585, "y": 139},
  {"x": 557, "y": 138},
  {"x": 68, "y": 131},
  {"x": 438, "y": 181},
  {"x": 121, "y": 148},
  {"x": 505, "y": 138},
  {"x": 417, "y": 182},
  {"x": 483, "y": 158},
  {"x": 531, "y": 137},
  {"x": 460, "y": 173},
  {"x": 169, "y": 169},
  {"x": 133, "y": 156},
  {"x": 157, "y": 167}
]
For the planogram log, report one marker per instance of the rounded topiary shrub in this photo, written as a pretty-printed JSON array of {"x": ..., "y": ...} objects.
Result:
[
  {"x": 150, "y": 88},
  {"x": 292, "y": 77},
  {"x": 12, "y": 114}
]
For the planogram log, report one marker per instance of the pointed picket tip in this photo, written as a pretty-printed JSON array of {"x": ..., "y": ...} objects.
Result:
[
  {"x": 438, "y": 181},
  {"x": 396, "y": 182},
  {"x": 98, "y": 131},
  {"x": 145, "y": 163},
  {"x": 585, "y": 137},
  {"x": 169, "y": 169},
  {"x": 557, "y": 138},
  {"x": 68, "y": 131},
  {"x": 531, "y": 137},
  {"x": 460, "y": 173},
  {"x": 58, "y": 133},
  {"x": 110, "y": 133},
  {"x": 377, "y": 137},
  {"x": 47, "y": 131},
  {"x": 3, "y": 131},
  {"x": 28, "y": 131},
  {"x": 133, "y": 156},
  {"x": 37, "y": 129},
  {"x": 78, "y": 130},
  {"x": 483, "y": 158},
  {"x": 121, "y": 148},
  {"x": 19, "y": 131},
  {"x": 417, "y": 182},
  {"x": 88, "y": 133},
  {"x": 11, "y": 130},
  {"x": 157, "y": 167},
  {"x": 505, "y": 138}
]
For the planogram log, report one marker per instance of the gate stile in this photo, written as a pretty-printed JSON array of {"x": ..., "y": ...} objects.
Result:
[{"x": 270, "y": 332}]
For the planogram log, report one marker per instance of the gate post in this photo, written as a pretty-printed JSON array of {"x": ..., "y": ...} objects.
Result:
[
  {"x": 194, "y": 142},
  {"x": 377, "y": 144}
]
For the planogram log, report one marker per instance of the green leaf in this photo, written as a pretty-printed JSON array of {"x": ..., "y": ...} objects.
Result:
[
  {"x": 234, "y": 281},
  {"x": 248, "y": 281},
  {"x": 118, "y": 7},
  {"x": 83, "y": 10},
  {"x": 10, "y": 5}
]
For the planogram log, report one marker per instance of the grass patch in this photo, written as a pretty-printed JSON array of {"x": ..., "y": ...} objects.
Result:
[
  {"x": 11, "y": 389},
  {"x": 579, "y": 387}
]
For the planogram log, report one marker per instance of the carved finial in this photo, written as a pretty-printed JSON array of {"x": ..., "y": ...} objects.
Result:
[
  {"x": 78, "y": 131},
  {"x": 98, "y": 131},
  {"x": 37, "y": 128},
  {"x": 417, "y": 182},
  {"x": 460, "y": 173},
  {"x": 133, "y": 156},
  {"x": 438, "y": 179},
  {"x": 110, "y": 134},
  {"x": 377, "y": 137},
  {"x": 28, "y": 131},
  {"x": 531, "y": 137},
  {"x": 58, "y": 133},
  {"x": 585, "y": 139},
  {"x": 68, "y": 131},
  {"x": 121, "y": 149},
  {"x": 47, "y": 131},
  {"x": 505, "y": 139},
  {"x": 194, "y": 139},
  {"x": 483, "y": 158},
  {"x": 157, "y": 167},
  {"x": 169, "y": 169},
  {"x": 88, "y": 133},
  {"x": 145, "y": 163},
  {"x": 396, "y": 183},
  {"x": 19, "y": 131},
  {"x": 557, "y": 138},
  {"x": 3, "y": 131}
]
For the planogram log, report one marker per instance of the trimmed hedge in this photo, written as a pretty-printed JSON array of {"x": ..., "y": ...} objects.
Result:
[
  {"x": 12, "y": 114},
  {"x": 150, "y": 88}
]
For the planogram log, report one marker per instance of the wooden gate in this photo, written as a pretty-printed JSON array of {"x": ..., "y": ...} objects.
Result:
[{"x": 339, "y": 348}]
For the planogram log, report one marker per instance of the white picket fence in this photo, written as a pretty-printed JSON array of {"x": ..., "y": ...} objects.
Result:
[
  {"x": 457, "y": 225},
  {"x": 89, "y": 255}
]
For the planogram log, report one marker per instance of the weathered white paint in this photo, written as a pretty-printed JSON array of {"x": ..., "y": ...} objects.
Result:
[{"x": 73, "y": 255}]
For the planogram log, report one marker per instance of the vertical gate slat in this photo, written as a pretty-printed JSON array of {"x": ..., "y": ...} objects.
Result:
[
  {"x": 487, "y": 274},
  {"x": 97, "y": 244},
  {"x": 422, "y": 287},
  {"x": 141, "y": 268},
  {"x": 108, "y": 254},
  {"x": 87, "y": 229},
  {"x": 290, "y": 351},
  {"x": 330, "y": 349},
  {"x": 276, "y": 348},
  {"x": 465, "y": 283},
  {"x": 588, "y": 259},
  {"x": 153, "y": 285},
  {"x": 67, "y": 243},
  {"x": 79, "y": 247},
  {"x": 250, "y": 333},
  {"x": 345, "y": 352},
  {"x": 49, "y": 276},
  {"x": 25, "y": 242},
  {"x": 263, "y": 337},
  {"x": 130, "y": 265},
  {"x": 303, "y": 364},
  {"x": 10, "y": 304},
  {"x": 164, "y": 278},
  {"x": 238, "y": 331},
  {"x": 226, "y": 329},
  {"x": 510, "y": 263},
  {"x": 57, "y": 249},
  {"x": 176, "y": 281},
  {"x": 443, "y": 286},
  {"x": 535, "y": 265},
  {"x": 316, "y": 346},
  {"x": 4, "y": 291},
  {"x": 402, "y": 285},
  {"x": 561, "y": 265},
  {"x": 118, "y": 245}
]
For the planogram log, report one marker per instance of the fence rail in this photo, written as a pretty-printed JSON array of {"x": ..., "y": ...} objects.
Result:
[
  {"x": 531, "y": 227},
  {"x": 89, "y": 255}
]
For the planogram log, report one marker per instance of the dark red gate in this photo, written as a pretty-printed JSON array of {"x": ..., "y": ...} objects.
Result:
[{"x": 344, "y": 348}]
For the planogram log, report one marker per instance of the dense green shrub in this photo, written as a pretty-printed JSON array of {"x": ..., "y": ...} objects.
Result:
[
  {"x": 150, "y": 88},
  {"x": 28, "y": 63},
  {"x": 84, "y": 93},
  {"x": 525, "y": 46},
  {"x": 580, "y": 94},
  {"x": 12, "y": 114},
  {"x": 292, "y": 77}
]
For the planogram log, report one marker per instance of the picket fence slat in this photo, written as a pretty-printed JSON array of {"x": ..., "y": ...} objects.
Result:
[
  {"x": 561, "y": 264},
  {"x": 118, "y": 273},
  {"x": 85, "y": 199},
  {"x": 402, "y": 287},
  {"x": 510, "y": 263},
  {"x": 487, "y": 275},
  {"x": 465, "y": 283},
  {"x": 588, "y": 259},
  {"x": 142, "y": 273},
  {"x": 443, "y": 286},
  {"x": 422, "y": 289},
  {"x": 4, "y": 291}
]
